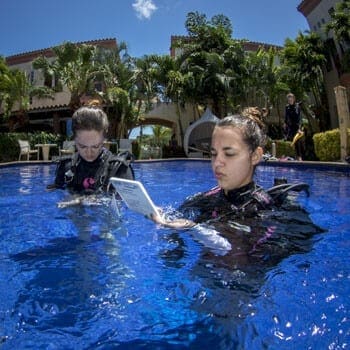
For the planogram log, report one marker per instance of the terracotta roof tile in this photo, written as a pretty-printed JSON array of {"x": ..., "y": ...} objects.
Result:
[{"x": 47, "y": 52}]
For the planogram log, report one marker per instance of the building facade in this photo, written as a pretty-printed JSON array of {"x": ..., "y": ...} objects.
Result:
[{"x": 49, "y": 114}]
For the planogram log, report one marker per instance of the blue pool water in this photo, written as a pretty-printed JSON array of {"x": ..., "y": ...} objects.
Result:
[{"x": 79, "y": 278}]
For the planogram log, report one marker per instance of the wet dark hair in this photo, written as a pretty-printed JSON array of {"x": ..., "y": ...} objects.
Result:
[
  {"x": 90, "y": 118},
  {"x": 252, "y": 128}
]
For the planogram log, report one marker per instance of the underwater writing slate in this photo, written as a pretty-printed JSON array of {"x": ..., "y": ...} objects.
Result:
[{"x": 135, "y": 196}]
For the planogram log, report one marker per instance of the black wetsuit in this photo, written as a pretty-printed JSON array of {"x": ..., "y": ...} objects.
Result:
[
  {"x": 262, "y": 226},
  {"x": 292, "y": 120},
  {"x": 84, "y": 177},
  {"x": 215, "y": 203}
]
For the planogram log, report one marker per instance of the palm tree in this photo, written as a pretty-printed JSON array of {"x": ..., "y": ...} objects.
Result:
[
  {"x": 213, "y": 64},
  {"x": 171, "y": 85},
  {"x": 303, "y": 62},
  {"x": 4, "y": 79},
  {"x": 204, "y": 61},
  {"x": 161, "y": 135},
  {"x": 145, "y": 79},
  {"x": 74, "y": 66},
  {"x": 118, "y": 93},
  {"x": 146, "y": 88},
  {"x": 263, "y": 85},
  {"x": 16, "y": 93},
  {"x": 236, "y": 75},
  {"x": 254, "y": 84}
]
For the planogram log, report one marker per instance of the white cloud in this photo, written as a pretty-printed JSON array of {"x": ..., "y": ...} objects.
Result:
[{"x": 144, "y": 8}]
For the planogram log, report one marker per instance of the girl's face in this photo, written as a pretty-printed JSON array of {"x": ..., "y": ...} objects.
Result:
[
  {"x": 89, "y": 144},
  {"x": 232, "y": 161}
]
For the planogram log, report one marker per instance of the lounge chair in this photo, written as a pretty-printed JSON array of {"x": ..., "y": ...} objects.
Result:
[
  {"x": 125, "y": 145},
  {"x": 68, "y": 148},
  {"x": 25, "y": 150}
]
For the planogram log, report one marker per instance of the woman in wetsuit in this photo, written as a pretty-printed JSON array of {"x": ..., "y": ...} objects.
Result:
[
  {"x": 292, "y": 117},
  {"x": 90, "y": 168},
  {"x": 89, "y": 126},
  {"x": 245, "y": 230},
  {"x": 236, "y": 148}
]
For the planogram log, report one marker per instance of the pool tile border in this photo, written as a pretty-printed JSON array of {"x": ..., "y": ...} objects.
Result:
[{"x": 326, "y": 166}]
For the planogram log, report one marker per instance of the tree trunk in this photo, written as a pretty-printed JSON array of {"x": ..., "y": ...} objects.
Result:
[{"x": 178, "y": 112}]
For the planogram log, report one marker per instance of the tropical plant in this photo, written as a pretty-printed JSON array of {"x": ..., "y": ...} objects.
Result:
[
  {"x": 145, "y": 79},
  {"x": 3, "y": 72},
  {"x": 74, "y": 66},
  {"x": 161, "y": 135},
  {"x": 171, "y": 84},
  {"x": 15, "y": 94},
  {"x": 340, "y": 22},
  {"x": 263, "y": 85},
  {"x": 16, "y": 91},
  {"x": 210, "y": 62},
  {"x": 118, "y": 93},
  {"x": 303, "y": 63}
]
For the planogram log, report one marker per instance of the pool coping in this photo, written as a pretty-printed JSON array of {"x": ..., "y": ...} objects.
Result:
[{"x": 326, "y": 166}]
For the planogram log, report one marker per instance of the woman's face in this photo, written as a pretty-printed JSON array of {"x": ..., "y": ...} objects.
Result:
[
  {"x": 232, "y": 161},
  {"x": 291, "y": 99},
  {"x": 89, "y": 144}
]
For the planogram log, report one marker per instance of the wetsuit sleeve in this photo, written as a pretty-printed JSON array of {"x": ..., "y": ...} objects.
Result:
[
  {"x": 60, "y": 174},
  {"x": 201, "y": 206}
]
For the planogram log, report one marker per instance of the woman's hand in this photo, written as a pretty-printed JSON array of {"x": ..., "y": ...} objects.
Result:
[
  {"x": 70, "y": 203},
  {"x": 177, "y": 223}
]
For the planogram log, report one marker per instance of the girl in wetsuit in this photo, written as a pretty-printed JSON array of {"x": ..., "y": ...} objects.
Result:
[
  {"x": 90, "y": 168},
  {"x": 236, "y": 148},
  {"x": 78, "y": 173}
]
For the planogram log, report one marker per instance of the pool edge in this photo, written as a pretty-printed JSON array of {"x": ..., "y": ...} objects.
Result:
[{"x": 333, "y": 166}]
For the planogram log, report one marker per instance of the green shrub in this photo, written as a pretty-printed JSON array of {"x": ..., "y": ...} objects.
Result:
[
  {"x": 44, "y": 137},
  {"x": 327, "y": 145},
  {"x": 9, "y": 148},
  {"x": 283, "y": 148}
]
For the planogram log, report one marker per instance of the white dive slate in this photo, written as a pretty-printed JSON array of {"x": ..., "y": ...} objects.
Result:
[{"x": 135, "y": 196}]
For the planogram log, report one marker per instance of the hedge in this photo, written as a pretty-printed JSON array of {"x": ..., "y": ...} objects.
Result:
[
  {"x": 327, "y": 145},
  {"x": 9, "y": 148},
  {"x": 283, "y": 148}
]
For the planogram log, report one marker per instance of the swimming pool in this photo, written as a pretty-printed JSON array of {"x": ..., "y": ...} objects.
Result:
[{"x": 78, "y": 278}]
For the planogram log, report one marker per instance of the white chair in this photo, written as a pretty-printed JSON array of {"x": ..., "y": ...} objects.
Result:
[
  {"x": 68, "y": 148},
  {"x": 25, "y": 150},
  {"x": 125, "y": 145}
]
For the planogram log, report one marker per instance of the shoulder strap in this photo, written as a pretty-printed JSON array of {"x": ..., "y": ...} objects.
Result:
[
  {"x": 102, "y": 172},
  {"x": 116, "y": 166},
  {"x": 71, "y": 167},
  {"x": 280, "y": 192},
  {"x": 123, "y": 158}
]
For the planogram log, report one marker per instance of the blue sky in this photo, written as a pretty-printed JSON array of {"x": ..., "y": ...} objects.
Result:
[{"x": 145, "y": 25}]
